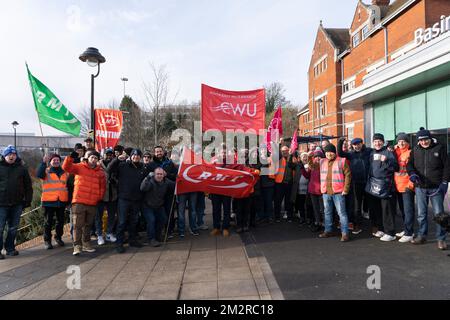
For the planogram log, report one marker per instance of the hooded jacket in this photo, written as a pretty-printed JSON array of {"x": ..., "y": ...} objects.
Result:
[
  {"x": 15, "y": 184},
  {"x": 129, "y": 176},
  {"x": 359, "y": 162}
]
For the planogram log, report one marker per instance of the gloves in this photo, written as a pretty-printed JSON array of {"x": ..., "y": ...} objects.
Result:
[
  {"x": 443, "y": 187},
  {"x": 414, "y": 179},
  {"x": 74, "y": 155}
]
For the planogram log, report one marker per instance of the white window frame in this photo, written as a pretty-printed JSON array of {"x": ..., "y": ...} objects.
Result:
[
  {"x": 356, "y": 36},
  {"x": 364, "y": 35}
]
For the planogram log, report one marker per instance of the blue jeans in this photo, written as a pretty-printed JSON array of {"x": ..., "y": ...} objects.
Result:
[
  {"x": 10, "y": 215},
  {"x": 200, "y": 208},
  {"x": 127, "y": 209},
  {"x": 111, "y": 207},
  {"x": 156, "y": 218},
  {"x": 267, "y": 197},
  {"x": 217, "y": 202},
  {"x": 406, "y": 204},
  {"x": 437, "y": 203},
  {"x": 191, "y": 199},
  {"x": 339, "y": 202}
]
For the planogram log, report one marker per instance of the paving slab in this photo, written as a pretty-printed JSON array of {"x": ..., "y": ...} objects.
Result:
[{"x": 199, "y": 290}]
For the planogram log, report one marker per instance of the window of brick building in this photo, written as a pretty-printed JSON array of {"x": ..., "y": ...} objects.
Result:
[
  {"x": 356, "y": 40},
  {"x": 365, "y": 32}
]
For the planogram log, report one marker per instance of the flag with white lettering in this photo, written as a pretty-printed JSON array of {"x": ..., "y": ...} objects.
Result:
[
  {"x": 195, "y": 174},
  {"x": 50, "y": 110},
  {"x": 108, "y": 126}
]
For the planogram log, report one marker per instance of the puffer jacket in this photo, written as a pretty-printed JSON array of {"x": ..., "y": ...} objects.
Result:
[
  {"x": 431, "y": 165},
  {"x": 90, "y": 183},
  {"x": 15, "y": 184}
]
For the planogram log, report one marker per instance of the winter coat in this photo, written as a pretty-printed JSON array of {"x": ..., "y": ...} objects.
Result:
[
  {"x": 15, "y": 184},
  {"x": 156, "y": 192},
  {"x": 129, "y": 176},
  {"x": 111, "y": 183},
  {"x": 90, "y": 183},
  {"x": 167, "y": 165},
  {"x": 301, "y": 181},
  {"x": 314, "y": 177},
  {"x": 401, "y": 178},
  {"x": 381, "y": 173},
  {"x": 431, "y": 165},
  {"x": 359, "y": 162}
]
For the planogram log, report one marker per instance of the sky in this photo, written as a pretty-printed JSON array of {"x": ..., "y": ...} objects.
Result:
[{"x": 232, "y": 45}]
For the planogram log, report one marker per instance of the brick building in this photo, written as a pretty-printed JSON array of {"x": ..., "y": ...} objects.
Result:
[{"x": 388, "y": 72}]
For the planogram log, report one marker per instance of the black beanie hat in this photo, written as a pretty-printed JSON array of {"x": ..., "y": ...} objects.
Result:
[
  {"x": 402, "y": 136},
  {"x": 423, "y": 134},
  {"x": 378, "y": 136},
  {"x": 92, "y": 153},
  {"x": 330, "y": 148}
]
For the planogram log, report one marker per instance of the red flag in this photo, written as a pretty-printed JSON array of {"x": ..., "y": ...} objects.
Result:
[
  {"x": 294, "y": 142},
  {"x": 196, "y": 176},
  {"x": 223, "y": 109},
  {"x": 272, "y": 134},
  {"x": 108, "y": 126}
]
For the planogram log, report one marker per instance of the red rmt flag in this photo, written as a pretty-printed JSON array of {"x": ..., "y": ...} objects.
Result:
[
  {"x": 108, "y": 126},
  {"x": 236, "y": 110},
  {"x": 294, "y": 142},
  {"x": 275, "y": 130},
  {"x": 198, "y": 175}
]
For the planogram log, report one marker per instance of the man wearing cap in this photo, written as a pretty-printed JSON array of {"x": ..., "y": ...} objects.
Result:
[
  {"x": 16, "y": 193},
  {"x": 89, "y": 143},
  {"x": 335, "y": 180},
  {"x": 429, "y": 170},
  {"x": 54, "y": 197},
  {"x": 380, "y": 186},
  {"x": 359, "y": 165},
  {"x": 109, "y": 201},
  {"x": 404, "y": 188},
  {"x": 147, "y": 159},
  {"x": 129, "y": 173}
]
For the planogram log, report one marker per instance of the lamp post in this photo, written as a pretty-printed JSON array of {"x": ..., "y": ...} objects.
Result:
[
  {"x": 124, "y": 81},
  {"x": 93, "y": 58},
  {"x": 15, "y": 124}
]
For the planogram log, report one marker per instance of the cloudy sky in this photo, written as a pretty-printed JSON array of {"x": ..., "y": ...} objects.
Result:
[{"x": 234, "y": 45}]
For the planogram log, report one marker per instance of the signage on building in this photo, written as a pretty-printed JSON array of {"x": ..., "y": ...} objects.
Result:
[{"x": 422, "y": 35}]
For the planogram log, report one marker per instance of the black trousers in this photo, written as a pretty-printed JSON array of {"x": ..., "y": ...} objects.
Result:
[
  {"x": 301, "y": 206},
  {"x": 375, "y": 212},
  {"x": 49, "y": 213},
  {"x": 283, "y": 191},
  {"x": 354, "y": 204},
  {"x": 243, "y": 212},
  {"x": 318, "y": 207},
  {"x": 256, "y": 208}
]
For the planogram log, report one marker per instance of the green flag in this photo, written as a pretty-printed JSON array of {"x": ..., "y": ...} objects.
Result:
[{"x": 50, "y": 110}]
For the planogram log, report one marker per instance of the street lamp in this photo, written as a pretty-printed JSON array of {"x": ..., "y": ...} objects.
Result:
[
  {"x": 93, "y": 58},
  {"x": 15, "y": 124},
  {"x": 124, "y": 81}
]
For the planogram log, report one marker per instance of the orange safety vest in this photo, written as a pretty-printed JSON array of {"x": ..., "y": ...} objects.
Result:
[
  {"x": 401, "y": 178},
  {"x": 54, "y": 188},
  {"x": 337, "y": 177},
  {"x": 279, "y": 176}
]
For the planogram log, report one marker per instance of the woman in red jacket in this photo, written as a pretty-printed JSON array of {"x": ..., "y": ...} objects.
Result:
[{"x": 314, "y": 187}]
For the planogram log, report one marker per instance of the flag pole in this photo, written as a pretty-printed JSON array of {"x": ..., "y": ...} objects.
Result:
[{"x": 35, "y": 106}]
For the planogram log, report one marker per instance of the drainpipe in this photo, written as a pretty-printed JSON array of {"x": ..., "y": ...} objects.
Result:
[
  {"x": 342, "y": 92},
  {"x": 386, "y": 48}
]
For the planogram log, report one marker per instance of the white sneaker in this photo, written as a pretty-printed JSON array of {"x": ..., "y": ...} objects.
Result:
[
  {"x": 233, "y": 215},
  {"x": 100, "y": 240},
  {"x": 387, "y": 238},
  {"x": 378, "y": 234},
  {"x": 406, "y": 239},
  {"x": 110, "y": 237},
  {"x": 203, "y": 227},
  {"x": 400, "y": 234},
  {"x": 285, "y": 216}
]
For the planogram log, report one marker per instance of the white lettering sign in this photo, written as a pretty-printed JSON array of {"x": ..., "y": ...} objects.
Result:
[{"x": 422, "y": 36}]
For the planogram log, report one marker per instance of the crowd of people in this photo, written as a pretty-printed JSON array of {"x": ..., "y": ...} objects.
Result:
[{"x": 327, "y": 187}]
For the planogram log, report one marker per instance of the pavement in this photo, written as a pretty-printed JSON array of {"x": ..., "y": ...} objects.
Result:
[{"x": 198, "y": 267}]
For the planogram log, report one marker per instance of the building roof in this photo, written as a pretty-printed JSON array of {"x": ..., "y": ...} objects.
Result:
[
  {"x": 339, "y": 37},
  {"x": 303, "y": 110},
  {"x": 393, "y": 7}
]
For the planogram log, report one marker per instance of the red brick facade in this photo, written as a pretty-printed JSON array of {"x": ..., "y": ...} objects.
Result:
[{"x": 401, "y": 18}]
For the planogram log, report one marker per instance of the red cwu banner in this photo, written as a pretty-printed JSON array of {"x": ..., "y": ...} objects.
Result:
[
  {"x": 222, "y": 110},
  {"x": 196, "y": 176},
  {"x": 108, "y": 126}
]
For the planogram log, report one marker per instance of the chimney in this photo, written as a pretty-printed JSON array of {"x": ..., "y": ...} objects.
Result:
[{"x": 381, "y": 3}]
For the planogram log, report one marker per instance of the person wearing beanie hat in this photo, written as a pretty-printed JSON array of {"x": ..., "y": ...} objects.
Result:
[
  {"x": 429, "y": 170},
  {"x": 359, "y": 157},
  {"x": 147, "y": 158},
  {"x": 404, "y": 188},
  {"x": 118, "y": 150},
  {"x": 16, "y": 193},
  {"x": 380, "y": 186},
  {"x": 54, "y": 197},
  {"x": 335, "y": 181},
  {"x": 129, "y": 174},
  {"x": 89, "y": 189}
]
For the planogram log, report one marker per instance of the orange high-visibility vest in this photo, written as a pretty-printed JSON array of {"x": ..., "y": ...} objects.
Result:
[
  {"x": 54, "y": 188},
  {"x": 279, "y": 176},
  {"x": 337, "y": 177},
  {"x": 401, "y": 177}
]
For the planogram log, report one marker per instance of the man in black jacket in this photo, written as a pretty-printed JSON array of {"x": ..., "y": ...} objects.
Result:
[
  {"x": 359, "y": 165},
  {"x": 130, "y": 174},
  {"x": 16, "y": 193},
  {"x": 429, "y": 170},
  {"x": 156, "y": 187}
]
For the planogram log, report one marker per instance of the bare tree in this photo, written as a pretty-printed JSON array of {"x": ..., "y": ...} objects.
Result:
[
  {"x": 156, "y": 94},
  {"x": 275, "y": 96},
  {"x": 85, "y": 118}
]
